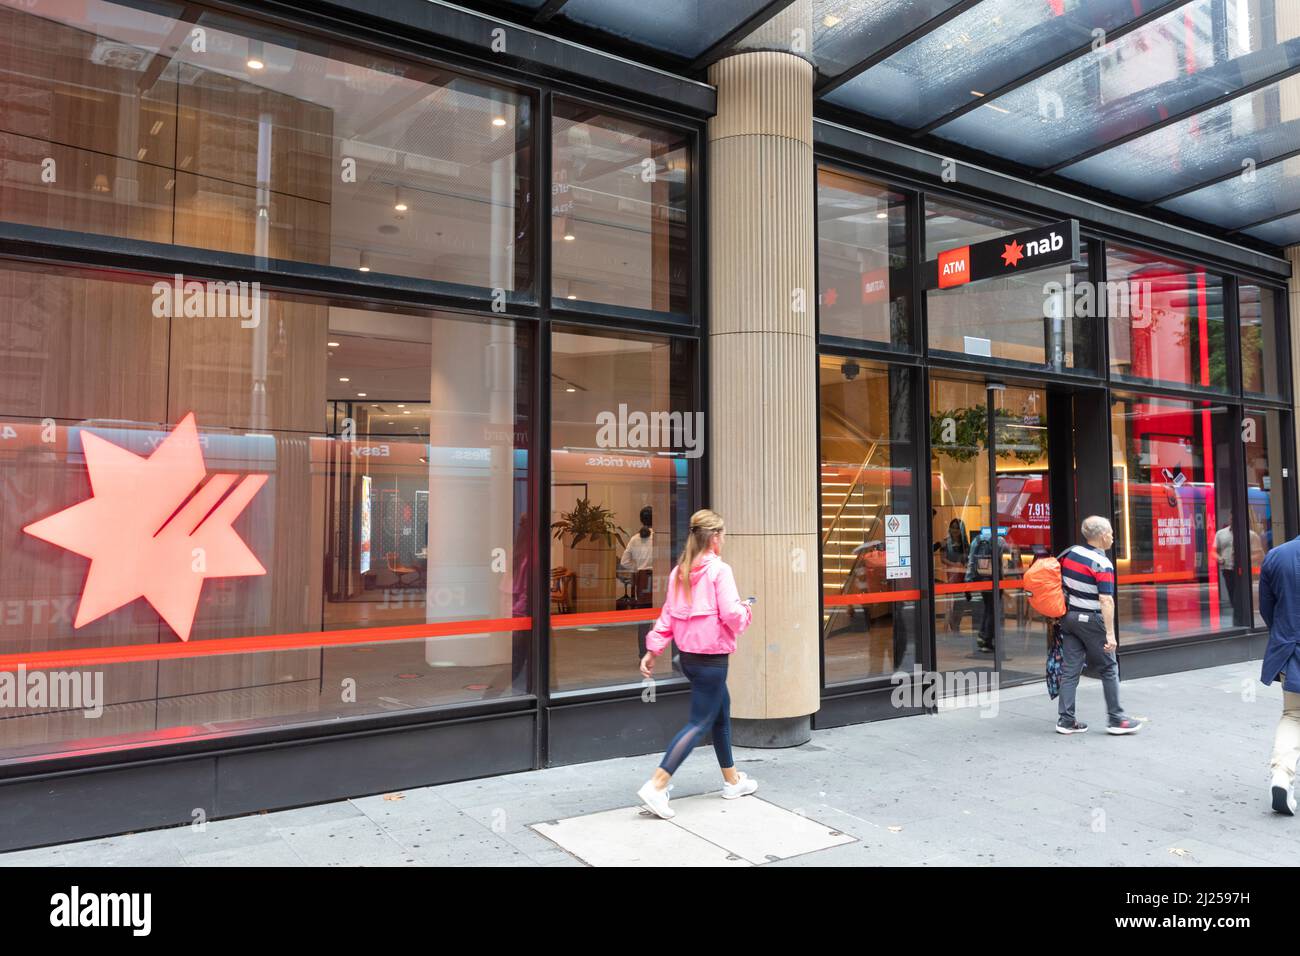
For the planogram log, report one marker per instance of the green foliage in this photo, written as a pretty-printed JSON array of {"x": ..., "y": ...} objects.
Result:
[
  {"x": 587, "y": 521},
  {"x": 971, "y": 435}
]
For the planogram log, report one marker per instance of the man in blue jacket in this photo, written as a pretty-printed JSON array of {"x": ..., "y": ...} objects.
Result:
[{"x": 1279, "y": 604}]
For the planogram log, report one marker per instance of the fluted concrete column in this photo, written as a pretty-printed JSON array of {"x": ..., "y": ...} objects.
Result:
[{"x": 762, "y": 375}]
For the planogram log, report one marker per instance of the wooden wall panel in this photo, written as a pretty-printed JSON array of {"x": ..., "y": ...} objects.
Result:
[
  {"x": 213, "y": 214},
  {"x": 282, "y": 531},
  {"x": 90, "y": 192},
  {"x": 78, "y": 348},
  {"x": 51, "y": 88},
  {"x": 219, "y": 130},
  {"x": 214, "y": 363}
]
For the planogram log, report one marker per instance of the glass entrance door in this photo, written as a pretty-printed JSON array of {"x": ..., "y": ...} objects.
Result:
[
  {"x": 965, "y": 637},
  {"x": 992, "y": 518},
  {"x": 1023, "y": 497}
]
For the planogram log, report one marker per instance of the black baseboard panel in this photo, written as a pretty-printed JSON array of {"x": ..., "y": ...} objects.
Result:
[
  {"x": 599, "y": 730},
  {"x": 77, "y": 806},
  {"x": 859, "y": 708},
  {"x": 1154, "y": 661},
  {"x": 81, "y": 805}
]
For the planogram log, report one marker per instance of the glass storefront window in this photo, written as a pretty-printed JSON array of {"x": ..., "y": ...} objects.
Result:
[
  {"x": 1173, "y": 517},
  {"x": 203, "y": 129},
  {"x": 1263, "y": 354},
  {"x": 371, "y": 560},
  {"x": 626, "y": 436},
  {"x": 1042, "y": 319},
  {"x": 868, "y": 529},
  {"x": 619, "y": 196},
  {"x": 864, "y": 276},
  {"x": 1165, "y": 319},
  {"x": 1266, "y": 486}
]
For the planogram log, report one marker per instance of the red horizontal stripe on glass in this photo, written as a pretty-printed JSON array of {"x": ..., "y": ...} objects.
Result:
[
  {"x": 879, "y": 597},
  {"x": 129, "y": 653}
]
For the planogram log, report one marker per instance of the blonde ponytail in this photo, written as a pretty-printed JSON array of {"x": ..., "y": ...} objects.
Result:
[{"x": 704, "y": 526}]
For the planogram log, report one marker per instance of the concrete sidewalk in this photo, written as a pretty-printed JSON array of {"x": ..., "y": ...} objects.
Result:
[{"x": 955, "y": 789}]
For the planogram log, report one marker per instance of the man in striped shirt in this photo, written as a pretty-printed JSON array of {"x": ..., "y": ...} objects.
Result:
[{"x": 1088, "y": 628}]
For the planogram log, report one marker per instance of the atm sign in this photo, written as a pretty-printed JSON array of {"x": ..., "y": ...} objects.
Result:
[{"x": 954, "y": 267}]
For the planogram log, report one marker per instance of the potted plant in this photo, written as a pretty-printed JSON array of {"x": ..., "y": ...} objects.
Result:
[{"x": 590, "y": 537}]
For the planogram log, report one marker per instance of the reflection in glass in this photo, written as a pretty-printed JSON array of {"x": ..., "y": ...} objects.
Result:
[
  {"x": 625, "y": 437},
  {"x": 309, "y": 151},
  {"x": 961, "y": 529},
  {"x": 618, "y": 211},
  {"x": 869, "y": 578},
  {"x": 864, "y": 278},
  {"x": 1166, "y": 320},
  {"x": 1177, "y": 62},
  {"x": 1042, "y": 319},
  {"x": 406, "y": 509},
  {"x": 1024, "y": 508},
  {"x": 1262, "y": 352},
  {"x": 1172, "y": 492},
  {"x": 1220, "y": 141},
  {"x": 967, "y": 58},
  {"x": 1265, "y": 492}
]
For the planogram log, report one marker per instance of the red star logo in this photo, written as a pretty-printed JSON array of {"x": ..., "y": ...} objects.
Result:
[
  {"x": 1013, "y": 253},
  {"x": 153, "y": 528}
]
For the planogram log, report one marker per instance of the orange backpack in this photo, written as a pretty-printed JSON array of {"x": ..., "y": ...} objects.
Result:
[{"x": 1043, "y": 585}]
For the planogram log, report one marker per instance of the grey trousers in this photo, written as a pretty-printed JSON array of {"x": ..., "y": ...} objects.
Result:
[{"x": 1082, "y": 638}]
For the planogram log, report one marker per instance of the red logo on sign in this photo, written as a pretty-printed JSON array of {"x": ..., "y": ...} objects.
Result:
[
  {"x": 1013, "y": 253},
  {"x": 153, "y": 528},
  {"x": 954, "y": 267}
]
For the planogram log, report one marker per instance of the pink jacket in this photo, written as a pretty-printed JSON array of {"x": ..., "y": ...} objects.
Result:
[{"x": 711, "y": 621}]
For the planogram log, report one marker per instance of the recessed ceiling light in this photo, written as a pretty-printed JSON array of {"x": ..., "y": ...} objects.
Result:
[
  {"x": 345, "y": 380},
  {"x": 882, "y": 215},
  {"x": 570, "y": 389},
  {"x": 573, "y": 297},
  {"x": 498, "y": 121},
  {"x": 401, "y": 406},
  {"x": 406, "y": 412},
  {"x": 361, "y": 394},
  {"x": 569, "y": 237},
  {"x": 332, "y": 345}
]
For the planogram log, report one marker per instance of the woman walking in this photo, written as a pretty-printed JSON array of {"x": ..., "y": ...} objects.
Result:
[{"x": 703, "y": 614}]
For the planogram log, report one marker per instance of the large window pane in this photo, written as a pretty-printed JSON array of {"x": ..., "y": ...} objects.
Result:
[
  {"x": 1266, "y": 489},
  {"x": 1165, "y": 319},
  {"x": 371, "y": 559},
  {"x": 208, "y": 130},
  {"x": 864, "y": 278},
  {"x": 1263, "y": 355},
  {"x": 868, "y": 528},
  {"x": 1041, "y": 319},
  {"x": 625, "y": 437},
  {"x": 1173, "y": 497},
  {"x": 618, "y": 211}
]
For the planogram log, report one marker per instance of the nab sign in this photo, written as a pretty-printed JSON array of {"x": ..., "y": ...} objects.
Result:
[{"x": 1042, "y": 248}]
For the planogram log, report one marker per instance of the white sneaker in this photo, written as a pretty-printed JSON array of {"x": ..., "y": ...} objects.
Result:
[
  {"x": 1283, "y": 794},
  {"x": 656, "y": 800},
  {"x": 743, "y": 786}
]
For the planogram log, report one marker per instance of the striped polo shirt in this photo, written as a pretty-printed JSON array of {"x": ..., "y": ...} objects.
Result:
[{"x": 1085, "y": 574}]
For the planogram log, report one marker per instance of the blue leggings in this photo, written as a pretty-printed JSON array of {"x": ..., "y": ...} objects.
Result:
[{"x": 710, "y": 711}]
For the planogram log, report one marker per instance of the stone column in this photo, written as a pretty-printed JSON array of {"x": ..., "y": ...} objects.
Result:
[{"x": 762, "y": 378}]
